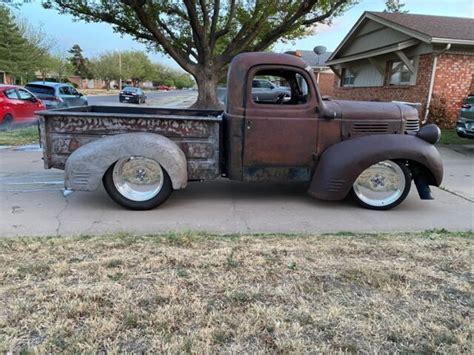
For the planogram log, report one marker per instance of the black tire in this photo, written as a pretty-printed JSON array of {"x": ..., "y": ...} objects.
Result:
[
  {"x": 399, "y": 200},
  {"x": 7, "y": 122},
  {"x": 154, "y": 202}
]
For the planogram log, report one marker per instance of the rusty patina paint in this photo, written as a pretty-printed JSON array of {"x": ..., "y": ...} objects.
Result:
[
  {"x": 256, "y": 142},
  {"x": 67, "y": 130}
]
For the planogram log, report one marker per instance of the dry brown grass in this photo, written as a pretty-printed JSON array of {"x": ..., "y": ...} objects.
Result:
[{"x": 208, "y": 294}]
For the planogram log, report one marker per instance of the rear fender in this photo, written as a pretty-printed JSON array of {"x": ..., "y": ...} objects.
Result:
[
  {"x": 86, "y": 166},
  {"x": 341, "y": 164}
]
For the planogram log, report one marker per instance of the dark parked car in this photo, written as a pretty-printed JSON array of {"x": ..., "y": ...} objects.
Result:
[
  {"x": 132, "y": 95},
  {"x": 17, "y": 106},
  {"x": 57, "y": 95},
  {"x": 465, "y": 125}
]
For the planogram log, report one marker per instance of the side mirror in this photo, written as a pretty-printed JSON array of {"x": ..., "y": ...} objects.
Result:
[
  {"x": 80, "y": 94},
  {"x": 33, "y": 99}
]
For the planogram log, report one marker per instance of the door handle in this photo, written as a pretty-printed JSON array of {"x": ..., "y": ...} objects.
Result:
[{"x": 249, "y": 124}]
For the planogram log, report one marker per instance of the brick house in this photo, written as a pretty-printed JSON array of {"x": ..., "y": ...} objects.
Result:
[
  {"x": 428, "y": 60},
  {"x": 324, "y": 75}
]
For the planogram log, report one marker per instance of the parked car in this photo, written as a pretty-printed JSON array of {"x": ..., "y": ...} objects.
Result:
[
  {"x": 132, "y": 95},
  {"x": 371, "y": 151},
  {"x": 465, "y": 124},
  {"x": 57, "y": 95},
  {"x": 163, "y": 87},
  {"x": 265, "y": 91},
  {"x": 17, "y": 106}
]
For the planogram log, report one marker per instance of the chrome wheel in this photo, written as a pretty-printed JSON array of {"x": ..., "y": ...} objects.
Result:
[
  {"x": 383, "y": 185},
  {"x": 138, "y": 178}
]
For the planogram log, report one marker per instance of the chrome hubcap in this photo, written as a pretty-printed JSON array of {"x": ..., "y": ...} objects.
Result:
[
  {"x": 381, "y": 184},
  {"x": 138, "y": 178}
]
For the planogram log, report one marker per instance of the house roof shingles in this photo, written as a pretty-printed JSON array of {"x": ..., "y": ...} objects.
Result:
[
  {"x": 314, "y": 60},
  {"x": 460, "y": 28}
]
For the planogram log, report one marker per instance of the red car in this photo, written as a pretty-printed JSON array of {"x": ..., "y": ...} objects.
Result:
[{"x": 17, "y": 106}]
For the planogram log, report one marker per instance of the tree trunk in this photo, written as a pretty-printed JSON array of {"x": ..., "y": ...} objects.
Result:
[{"x": 207, "y": 90}]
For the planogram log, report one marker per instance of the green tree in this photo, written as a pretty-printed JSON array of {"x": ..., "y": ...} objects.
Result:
[
  {"x": 79, "y": 63},
  {"x": 136, "y": 66},
  {"x": 59, "y": 67},
  {"x": 203, "y": 36},
  {"x": 106, "y": 67},
  {"x": 128, "y": 65},
  {"x": 394, "y": 6},
  {"x": 14, "y": 48}
]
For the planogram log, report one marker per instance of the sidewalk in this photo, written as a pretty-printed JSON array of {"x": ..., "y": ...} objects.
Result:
[{"x": 31, "y": 203}]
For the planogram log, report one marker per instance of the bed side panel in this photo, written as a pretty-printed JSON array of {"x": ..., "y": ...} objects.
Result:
[{"x": 199, "y": 139}]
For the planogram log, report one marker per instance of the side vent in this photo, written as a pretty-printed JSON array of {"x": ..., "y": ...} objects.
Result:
[
  {"x": 370, "y": 127},
  {"x": 412, "y": 125}
]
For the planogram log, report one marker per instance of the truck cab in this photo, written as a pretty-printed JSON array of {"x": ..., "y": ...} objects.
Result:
[{"x": 287, "y": 139}]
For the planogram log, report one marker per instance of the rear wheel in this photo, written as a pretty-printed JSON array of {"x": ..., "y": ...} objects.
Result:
[
  {"x": 7, "y": 122},
  {"x": 382, "y": 186},
  {"x": 137, "y": 183}
]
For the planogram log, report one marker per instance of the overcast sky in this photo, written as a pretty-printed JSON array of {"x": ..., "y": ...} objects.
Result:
[{"x": 96, "y": 38}]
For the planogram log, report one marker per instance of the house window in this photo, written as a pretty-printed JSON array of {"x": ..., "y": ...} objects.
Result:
[
  {"x": 347, "y": 78},
  {"x": 400, "y": 74}
]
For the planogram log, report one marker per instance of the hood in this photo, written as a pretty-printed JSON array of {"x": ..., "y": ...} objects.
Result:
[{"x": 366, "y": 110}]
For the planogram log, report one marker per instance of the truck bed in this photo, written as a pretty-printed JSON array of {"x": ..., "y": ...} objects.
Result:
[{"x": 197, "y": 132}]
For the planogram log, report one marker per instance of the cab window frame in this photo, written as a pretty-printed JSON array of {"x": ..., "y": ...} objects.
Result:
[{"x": 313, "y": 99}]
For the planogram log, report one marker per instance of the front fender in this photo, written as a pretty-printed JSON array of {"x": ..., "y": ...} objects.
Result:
[
  {"x": 86, "y": 166},
  {"x": 341, "y": 164}
]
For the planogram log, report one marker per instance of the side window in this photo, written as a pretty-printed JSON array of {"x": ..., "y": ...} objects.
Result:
[
  {"x": 24, "y": 95},
  {"x": 400, "y": 74},
  {"x": 280, "y": 87},
  {"x": 12, "y": 94},
  {"x": 64, "y": 90},
  {"x": 347, "y": 78},
  {"x": 73, "y": 91}
]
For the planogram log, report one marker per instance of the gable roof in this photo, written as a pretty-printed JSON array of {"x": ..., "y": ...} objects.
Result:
[
  {"x": 426, "y": 28},
  {"x": 435, "y": 27}
]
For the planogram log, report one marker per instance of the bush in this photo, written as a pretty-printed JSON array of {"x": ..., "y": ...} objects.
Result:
[{"x": 438, "y": 113}]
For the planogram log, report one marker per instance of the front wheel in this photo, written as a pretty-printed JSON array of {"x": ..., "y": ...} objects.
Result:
[
  {"x": 137, "y": 183},
  {"x": 382, "y": 186}
]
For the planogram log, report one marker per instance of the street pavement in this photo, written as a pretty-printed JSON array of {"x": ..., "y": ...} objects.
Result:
[
  {"x": 32, "y": 203},
  {"x": 175, "y": 98}
]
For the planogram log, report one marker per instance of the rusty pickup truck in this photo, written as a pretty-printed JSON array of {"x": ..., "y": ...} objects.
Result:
[{"x": 368, "y": 150}]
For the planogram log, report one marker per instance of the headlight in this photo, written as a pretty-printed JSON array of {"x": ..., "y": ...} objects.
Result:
[{"x": 430, "y": 133}]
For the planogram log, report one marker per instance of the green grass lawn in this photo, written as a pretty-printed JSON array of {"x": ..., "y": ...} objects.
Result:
[
  {"x": 449, "y": 136},
  {"x": 20, "y": 136},
  {"x": 201, "y": 293}
]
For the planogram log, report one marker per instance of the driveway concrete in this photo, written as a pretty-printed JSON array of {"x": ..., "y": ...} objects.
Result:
[{"x": 31, "y": 203}]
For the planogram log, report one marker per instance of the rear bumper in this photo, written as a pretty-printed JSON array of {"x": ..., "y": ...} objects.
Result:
[{"x": 133, "y": 99}]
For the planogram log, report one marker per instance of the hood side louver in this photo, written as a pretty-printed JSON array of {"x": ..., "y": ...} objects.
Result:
[{"x": 370, "y": 127}]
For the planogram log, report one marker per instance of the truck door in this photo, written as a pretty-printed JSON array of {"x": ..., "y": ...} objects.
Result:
[{"x": 280, "y": 137}]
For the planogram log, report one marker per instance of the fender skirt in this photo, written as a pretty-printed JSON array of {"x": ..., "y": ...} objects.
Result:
[
  {"x": 86, "y": 166},
  {"x": 341, "y": 164}
]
